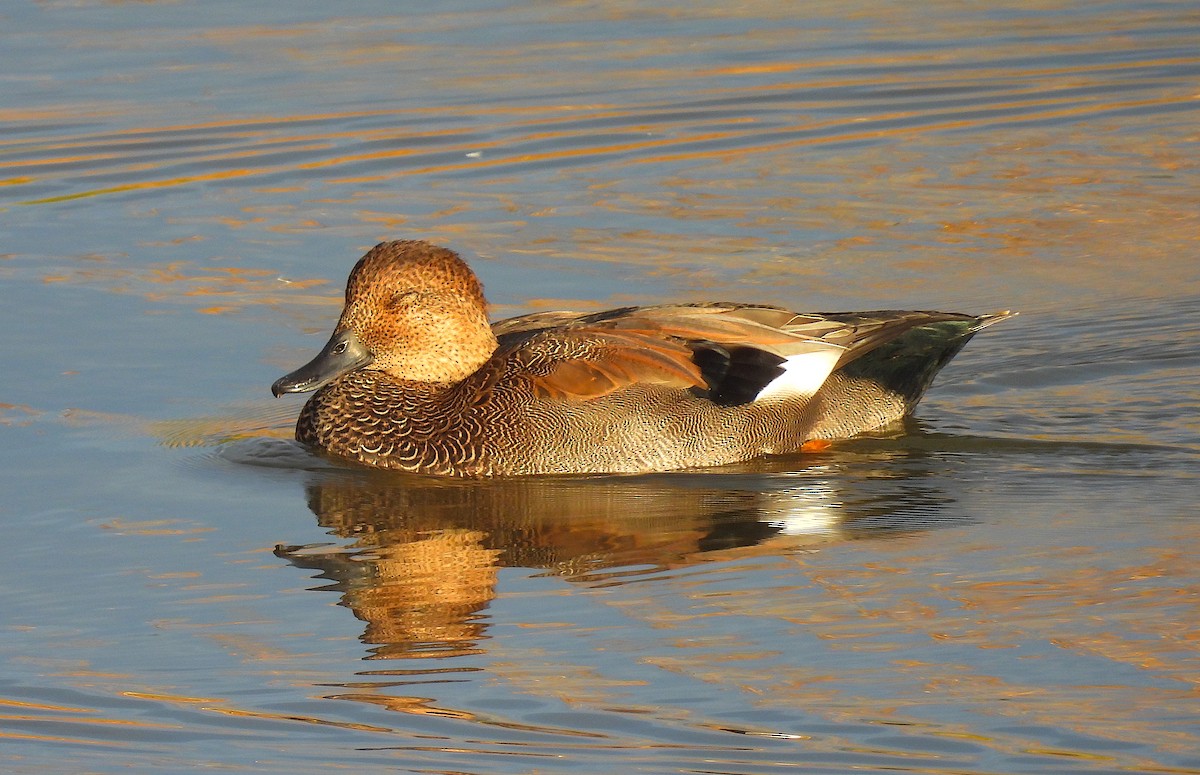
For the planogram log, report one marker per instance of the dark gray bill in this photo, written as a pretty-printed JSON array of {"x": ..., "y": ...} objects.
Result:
[{"x": 342, "y": 354}]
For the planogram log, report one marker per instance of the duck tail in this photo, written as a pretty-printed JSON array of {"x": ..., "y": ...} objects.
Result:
[{"x": 887, "y": 382}]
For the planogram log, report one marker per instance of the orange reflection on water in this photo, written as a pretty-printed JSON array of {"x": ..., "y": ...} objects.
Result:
[{"x": 992, "y": 161}]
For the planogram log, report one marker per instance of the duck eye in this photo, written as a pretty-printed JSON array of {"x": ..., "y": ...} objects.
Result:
[
  {"x": 404, "y": 298},
  {"x": 339, "y": 348}
]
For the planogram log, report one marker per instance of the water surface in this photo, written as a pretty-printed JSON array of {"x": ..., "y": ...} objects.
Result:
[{"x": 1007, "y": 584}]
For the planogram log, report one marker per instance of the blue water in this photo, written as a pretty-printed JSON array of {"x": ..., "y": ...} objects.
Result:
[{"x": 1008, "y": 586}]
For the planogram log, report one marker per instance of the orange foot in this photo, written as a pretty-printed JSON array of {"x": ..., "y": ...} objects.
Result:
[{"x": 816, "y": 445}]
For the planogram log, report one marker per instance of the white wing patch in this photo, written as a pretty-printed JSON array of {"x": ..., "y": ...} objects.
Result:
[{"x": 802, "y": 375}]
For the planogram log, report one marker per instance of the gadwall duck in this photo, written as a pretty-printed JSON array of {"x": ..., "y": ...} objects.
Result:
[{"x": 416, "y": 378}]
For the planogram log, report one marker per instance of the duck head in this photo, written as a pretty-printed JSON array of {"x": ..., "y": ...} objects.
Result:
[{"x": 413, "y": 310}]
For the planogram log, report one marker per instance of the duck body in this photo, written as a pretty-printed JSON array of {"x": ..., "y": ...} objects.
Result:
[{"x": 415, "y": 378}]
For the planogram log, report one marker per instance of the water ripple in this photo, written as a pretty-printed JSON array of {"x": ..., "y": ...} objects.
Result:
[{"x": 791, "y": 104}]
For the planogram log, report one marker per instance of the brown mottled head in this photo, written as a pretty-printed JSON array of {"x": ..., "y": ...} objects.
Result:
[
  {"x": 413, "y": 310},
  {"x": 412, "y": 264}
]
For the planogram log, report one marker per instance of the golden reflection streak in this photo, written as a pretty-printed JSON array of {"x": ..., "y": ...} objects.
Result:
[
  {"x": 59, "y": 739},
  {"x": 949, "y": 76},
  {"x": 423, "y": 706},
  {"x": 236, "y": 713},
  {"x": 76, "y": 720},
  {"x": 43, "y": 706},
  {"x": 228, "y": 174},
  {"x": 266, "y": 136},
  {"x": 139, "y": 134},
  {"x": 18, "y": 163}
]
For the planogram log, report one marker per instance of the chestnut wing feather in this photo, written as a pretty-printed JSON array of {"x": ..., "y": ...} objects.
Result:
[{"x": 584, "y": 363}]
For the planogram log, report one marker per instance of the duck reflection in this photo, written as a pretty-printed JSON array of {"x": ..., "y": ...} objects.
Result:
[{"x": 420, "y": 557}]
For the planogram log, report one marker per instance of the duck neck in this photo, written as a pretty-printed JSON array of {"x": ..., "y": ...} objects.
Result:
[{"x": 460, "y": 356}]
